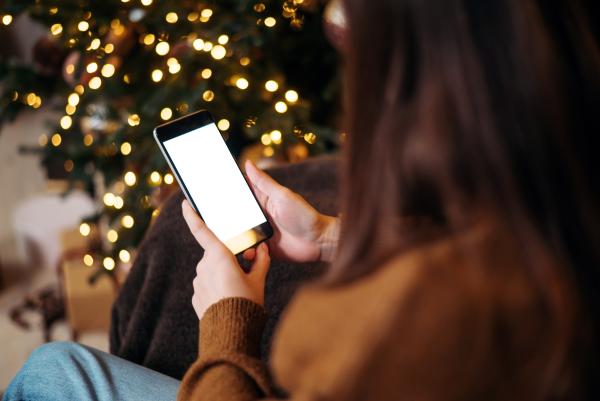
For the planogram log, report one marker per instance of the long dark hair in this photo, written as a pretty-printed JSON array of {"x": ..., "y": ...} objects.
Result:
[{"x": 457, "y": 105}]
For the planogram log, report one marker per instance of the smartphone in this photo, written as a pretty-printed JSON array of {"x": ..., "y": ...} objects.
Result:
[{"x": 212, "y": 181}]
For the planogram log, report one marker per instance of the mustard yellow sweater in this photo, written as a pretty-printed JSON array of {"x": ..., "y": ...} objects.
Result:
[{"x": 433, "y": 324}]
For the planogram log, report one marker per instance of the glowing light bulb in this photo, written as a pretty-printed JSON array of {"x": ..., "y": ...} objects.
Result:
[
  {"x": 85, "y": 229},
  {"x": 244, "y": 61},
  {"x": 109, "y": 48},
  {"x": 310, "y": 137},
  {"x": 171, "y": 17},
  {"x": 206, "y": 13},
  {"x": 66, "y": 122},
  {"x": 207, "y": 46},
  {"x": 223, "y": 39},
  {"x": 124, "y": 255},
  {"x": 162, "y": 48},
  {"x": 130, "y": 178},
  {"x": 208, "y": 96},
  {"x": 149, "y": 39},
  {"x": 146, "y": 2},
  {"x": 223, "y": 124},
  {"x": 95, "y": 83},
  {"x": 70, "y": 110},
  {"x": 206, "y": 73},
  {"x": 95, "y": 44},
  {"x": 157, "y": 75},
  {"x": 242, "y": 83},
  {"x": 133, "y": 120},
  {"x": 109, "y": 199},
  {"x": 112, "y": 236},
  {"x": 166, "y": 113},
  {"x": 125, "y": 148},
  {"x": 155, "y": 177},
  {"x": 168, "y": 179},
  {"x": 127, "y": 221},
  {"x": 218, "y": 52},
  {"x": 88, "y": 260},
  {"x": 7, "y": 19},
  {"x": 271, "y": 85},
  {"x": 108, "y": 263},
  {"x": 73, "y": 99},
  {"x": 291, "y": 96},
  {"x": 88, "y": 139},
  {"x": 119, "y": 202},
  {"x": 91, "y": 67},
  {"x": 276, "y": 136},
  {"x": 270, "y": 22},
  {"x": 174, "y": 68},
  {"x": 108, "y": 70},
  {"x": 83, "y": 26},
  {"x": 281, "y": 107},
  {"x": 265, "y": 139},
  {"x": 56, "y": 140},
  {"x": 198, "y": 44},
  {"x": 56, "y": 29}
]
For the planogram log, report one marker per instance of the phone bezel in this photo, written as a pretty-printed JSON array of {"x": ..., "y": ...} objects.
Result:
[{"x": 182, "y": 126}]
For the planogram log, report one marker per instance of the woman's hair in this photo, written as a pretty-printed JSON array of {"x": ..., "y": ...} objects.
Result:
[{"x": 459, "y": 106}]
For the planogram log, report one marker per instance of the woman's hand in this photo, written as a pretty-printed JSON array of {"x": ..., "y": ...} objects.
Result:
[
  {"x": 301, "y": 233},
  {"x": 218, "y": 274}
]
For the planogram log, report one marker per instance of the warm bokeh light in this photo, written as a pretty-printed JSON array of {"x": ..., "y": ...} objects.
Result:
[
  {"x": 223, "y": 124},
  {"x": 56, "y": 140},
  {"x": 206, "y": 73},
  {"x": 95, "y": 83},
  {"x": 218, "y": 52},
  {"x": 271, "y": 85},
  {"x": 291, "y": 96},
  {"x": 92, "y": 67},
  {"x": 133, "y": 120},
  {"x": 157, "y": 75},
  {"x": 66, "y": 122},
  {"x": 171, "y": 17},
  {"x": 130, "y": 178},
  {"x": 125, "y": 148},
  {"x": 168, "y": 179},
  {"x": 85, "y": 229},
  {"x": 108, "y": 263},
  {"x": 108, "y": 70},
  {"x": 276, "y": 136},
  {"x": 88, "y": 260},
  {"x": 270, "y": 22},
  {"x": 127, "y": 221},
  {"x": 281, "y": 107},
  {"x": 162, "y": 48},
  {"x": 166, "y": 113},
  {"x": 155, "y": 177},
  {"x": 124, "y": 255},
  {"x": 242, "y": 83},
  {"x": 112, "y": 236}
]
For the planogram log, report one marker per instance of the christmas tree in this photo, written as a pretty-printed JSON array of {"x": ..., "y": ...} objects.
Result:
[{"x": 117, "y": 68}]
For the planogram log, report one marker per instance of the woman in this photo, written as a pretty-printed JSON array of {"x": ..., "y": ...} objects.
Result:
[{"x": 468, "y": 253}]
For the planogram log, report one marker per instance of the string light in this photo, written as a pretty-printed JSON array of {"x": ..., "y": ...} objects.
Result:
[
  {"x": 7, "y": 19},
  {"x": 108, "y": 262},
  {"x": 207, "y": 46},
  {"x": 146, "y": 2},
  {"x": 83, "y": 26},
  {"x": 73, "y": 99},
  {"x": 56, "y": 29},
  {"x": 157, "y": 75},
  {"x": 149, "y": 39},
  {"x": 174, "y": 66},
  {"x": 271, "y": 85},
  {"x": 171, "y": 17},
  {"x": 108, "y": 70},
  {"x": 109, "y": 199},
  {"x": 133, "y": 120},
  {"x": 95, "y": 83},
  {"x": 70, "y": 110},
  {"x": 56, "y": 140},
  {"x": 119, "y": 202},
  {"x": 193, "y": 16},
  {"x": 127, "y": 221},
  {"x": 112, "y": 236},
  {"x": 124, "y": 256},
  {"x": 244, "y": 61},
  {"x": 208, "y": 96},
  {"x": 276, "y": 136},
  {"x": 223, "y": 39},
  {"x": 162, "y": 48},
  {"x": 291, "y": 96},
  {"x": 85, "y": 229},
  {"x": 88, "y": 260},
  {"x": 66, "y": 122},
  {"x": 130, "y": 178},
  {"x": 218, "y": 52},
  {"x": 166, "y": 113},
  {"x": 125, "y": 148},
  {"x": 168, "y": 179},
  {"x": 206, "y": 73},
  {"x": 70, "y": 69},
  {"x": 223, "y": 124},
  {"x": 206, "y": 14},
  {"x": 242, "y": 83},
  {"x": 155, "y": 178},
  {"x": 91, "y": 67},
  {"x": 281, "y": 107},
  {"x": 95, "y": 44},
  {"x": 109, "y": 48},
  {"x": 310, "y": 137},
  {"x": 53, "y": 10},
  {"x": 79, "y": 89},
  {"x": 88, "y": 139},
  {"x": 270, "y": 22},
  {"x": 265, "y": 139},
  {"x": 198, "y": 44}
]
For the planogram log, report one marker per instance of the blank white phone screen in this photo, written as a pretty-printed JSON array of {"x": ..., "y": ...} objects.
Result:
[{"x": 215, "y": 182}]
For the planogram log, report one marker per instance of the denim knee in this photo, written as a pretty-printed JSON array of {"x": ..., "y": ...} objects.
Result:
[{"x": 42, "y": 375}]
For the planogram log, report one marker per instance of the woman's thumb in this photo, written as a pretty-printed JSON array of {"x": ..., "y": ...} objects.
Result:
[{"x": 262, "y": 262}]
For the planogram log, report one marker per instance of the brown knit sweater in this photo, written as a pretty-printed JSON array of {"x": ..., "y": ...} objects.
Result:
[{"x": 432, "y": 324}]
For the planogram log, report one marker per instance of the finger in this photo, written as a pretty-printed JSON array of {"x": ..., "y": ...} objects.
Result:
[
  {"x": 261, "y": 264},
  {"x": 261, "y": 180},
  {"x": 249, "y": 254},
  {"x": 205, "y": 237}
]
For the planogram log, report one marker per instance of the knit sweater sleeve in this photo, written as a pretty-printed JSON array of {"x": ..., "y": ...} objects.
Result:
[{"x": 229, "y": 365}]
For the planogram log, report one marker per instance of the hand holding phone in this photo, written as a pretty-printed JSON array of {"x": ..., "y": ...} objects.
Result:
[{"x": 212, "y": 182}]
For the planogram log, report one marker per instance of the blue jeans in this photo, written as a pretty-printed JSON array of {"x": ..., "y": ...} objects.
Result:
[{"x": 70, "y": 371}]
